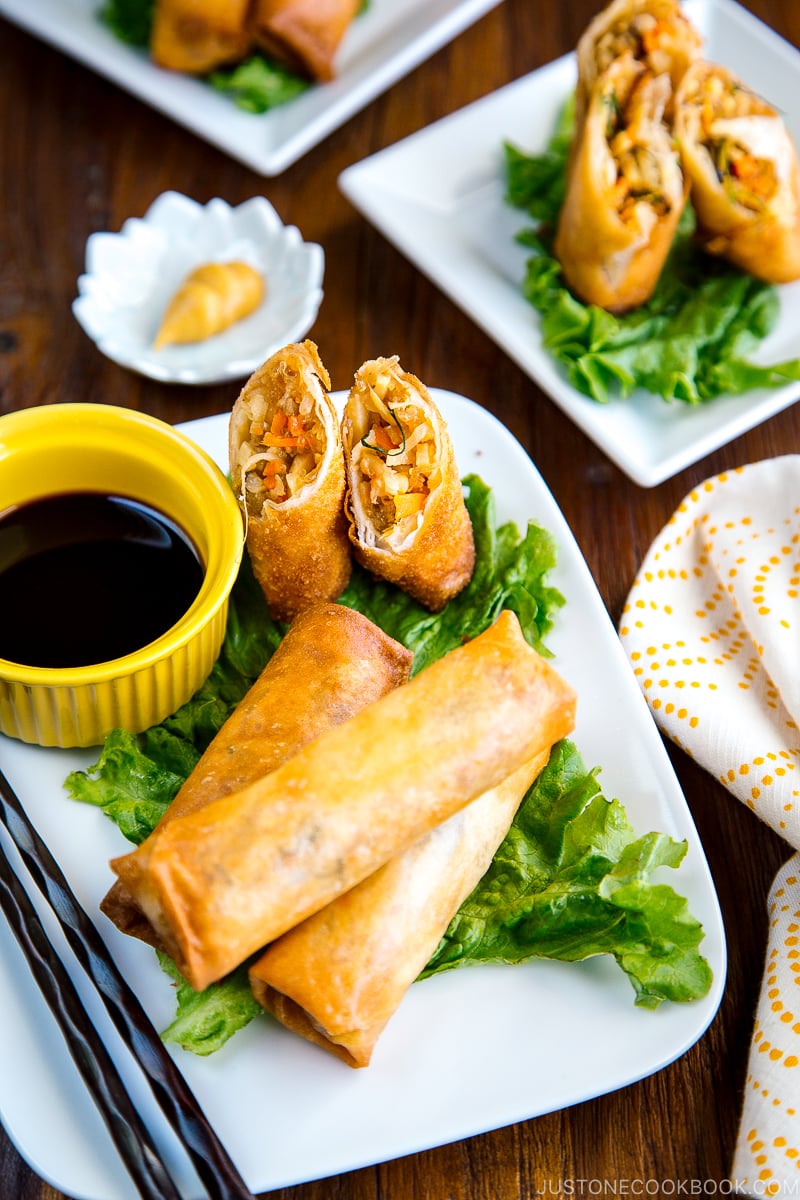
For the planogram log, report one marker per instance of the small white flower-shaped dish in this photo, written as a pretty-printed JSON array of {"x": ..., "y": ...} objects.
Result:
[{"x": 131, "y": 276}]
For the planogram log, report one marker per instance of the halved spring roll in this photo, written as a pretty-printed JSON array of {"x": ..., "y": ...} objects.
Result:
[
  {"x": 223, "y": 882},
  {"x": 303, "y": 34},
  {"x": 196, "y": 36},
  {"x": 331, "y": 663},
  {"x": 287, "y": 469},
  {"x": 405, "y": 506},
  {"x": 625, "y": 191},
  {"x": 338, "y": 978},
  {"x": 742, "y": 166},
  {"x": 654, "y": 32}
]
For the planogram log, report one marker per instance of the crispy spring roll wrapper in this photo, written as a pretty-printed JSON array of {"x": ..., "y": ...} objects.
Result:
[
  {"x": 303, "y": 34},
  {"x": 331, "y": 663},
  {"x": 742, "y": 166},
  {"x": 287, "y": 470},
  {"x": 221, "y": 883},
  {"x": 405, "y": 506},
  {"x": 337, "y": 978},
  {"x": 197, "y": 35},
  {"x": 625, "y": 191},
  {"x": 654, "y": 32}
]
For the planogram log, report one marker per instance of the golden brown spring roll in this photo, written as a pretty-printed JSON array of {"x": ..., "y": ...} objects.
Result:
[
  {"x": 405, "y": 506},
  {"x": 337, "y": 978},
  {"x": 287, "y": 469},
  {"x": 331, "y": 663},
  {"x": 303, "y": 34},
  {"x": 198, "y": 35},
  {"x": 625, "y": 191},
  {"x": 654, "y": 32},
  {"x": 221, "y": 883},
  {"x": 742, "y": 166}
]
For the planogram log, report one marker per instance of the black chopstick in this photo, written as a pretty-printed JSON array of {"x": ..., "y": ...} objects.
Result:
[
  {"x": 95, "y": 1064},
  {"x": 176, "y": 1100}
]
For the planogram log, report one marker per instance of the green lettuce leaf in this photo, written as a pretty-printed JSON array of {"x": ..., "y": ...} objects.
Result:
[
  {"x": 691, "y": 342},
  {"x": 204, "y": 1021},
  {"x": 129, "y": 20},
  {"x": 132, "y": 788},
  {"x": 572, "y": 880},
  {"x": 257, "y": 85},
  {"x": 538, "y": 182}
]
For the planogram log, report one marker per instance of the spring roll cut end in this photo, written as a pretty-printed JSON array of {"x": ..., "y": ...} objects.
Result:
[
  {"x": 657, "y": 33},
  {"x": 287, "y": 469},
  {"x": 625, "y": 191},
  {"x": 743, "y": 168},
  {"x": 408, "y": 522}
]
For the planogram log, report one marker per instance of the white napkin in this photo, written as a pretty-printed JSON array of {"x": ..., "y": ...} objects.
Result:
[{"x": 712, "y": 631}]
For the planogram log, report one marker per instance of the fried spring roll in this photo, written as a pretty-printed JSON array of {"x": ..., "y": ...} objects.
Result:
[
  {"x": 337, "y": 978},
  {"x": 743, "y": 169},
  {"x": 303, "y": 34},
  {"x": 221, "y": 883},
  {"x": 625, "y": 191},
  {"x": 654, "y": 32},
  {"x": 405, "y": 506},
  {"x": 196, "y": 36},
  {"x": 331, "y": 663},
  {"x": 287, "y": 469}
]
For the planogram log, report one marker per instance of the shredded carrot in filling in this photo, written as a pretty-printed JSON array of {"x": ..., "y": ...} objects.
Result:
[
  {"x": 285, "y": 449},
  {"x": 396, "y": 458},
  {"x": 641, "y": 148},
  {"x": 652, "y": 36},
  {"x": 647, "y": 38},
  {"x": 749, "y": 178}
]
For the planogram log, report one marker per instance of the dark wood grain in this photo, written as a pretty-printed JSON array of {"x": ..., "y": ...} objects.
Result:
[{"x": 79, "y": 155}]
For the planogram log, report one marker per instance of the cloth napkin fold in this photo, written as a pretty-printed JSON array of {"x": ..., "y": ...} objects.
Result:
[{"x": 712, "y": 630}]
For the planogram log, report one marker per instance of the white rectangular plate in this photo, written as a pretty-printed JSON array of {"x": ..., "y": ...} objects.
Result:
[
  {"x": 467, "y": 1051},
  {"x": 439, "y": 196},
  {"x": 381, "y": 46}
]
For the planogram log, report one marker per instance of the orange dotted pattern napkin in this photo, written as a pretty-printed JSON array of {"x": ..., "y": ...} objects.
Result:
[
  {"x": 767, "y": 1159},
  {"x": 712, "y": 631}
]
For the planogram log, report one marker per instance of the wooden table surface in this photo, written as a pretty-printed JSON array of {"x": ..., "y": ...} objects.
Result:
[{"x": 79, "y": 155}]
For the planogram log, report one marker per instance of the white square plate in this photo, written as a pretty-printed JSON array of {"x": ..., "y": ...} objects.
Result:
[
  {"x": 439, "y": 196},
  {"x": 467, "y": 1051},
  {"x": 381, "y": 46}
]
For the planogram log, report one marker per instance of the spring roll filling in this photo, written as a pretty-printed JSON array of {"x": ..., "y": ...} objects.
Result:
[
  {"x": 748, "y": 151},
  {"x": 394, "y": 461},
  {"x": 286, "y": 443},
  {"x": 646, "y": 37},
  {"x": 641, "y": 168}
]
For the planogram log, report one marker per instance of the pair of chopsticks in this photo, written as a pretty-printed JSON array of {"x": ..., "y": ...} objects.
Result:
[{"x": 145, "y": 1165}]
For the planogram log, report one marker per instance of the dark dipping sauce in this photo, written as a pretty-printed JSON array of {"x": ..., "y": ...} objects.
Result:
[{"x": 87, "y": 577}]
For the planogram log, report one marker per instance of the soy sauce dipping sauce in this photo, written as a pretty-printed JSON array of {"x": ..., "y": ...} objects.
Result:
[{"x": 86, "y": 577}]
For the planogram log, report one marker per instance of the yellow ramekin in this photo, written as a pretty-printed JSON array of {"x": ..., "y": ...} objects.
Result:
[{"x": 60, "y": 448}]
